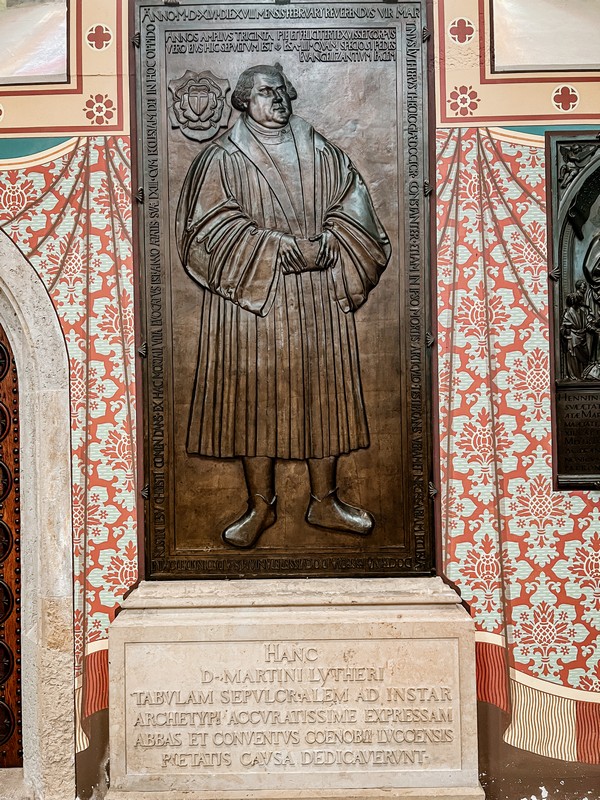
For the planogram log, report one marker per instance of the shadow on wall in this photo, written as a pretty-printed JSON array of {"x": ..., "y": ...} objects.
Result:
[
  {"x": 507, "y": 773},
  {"x": 92, "y": 765}
]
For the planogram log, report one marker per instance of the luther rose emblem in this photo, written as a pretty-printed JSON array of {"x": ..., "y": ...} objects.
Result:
[{"x": 200, "y": 105}]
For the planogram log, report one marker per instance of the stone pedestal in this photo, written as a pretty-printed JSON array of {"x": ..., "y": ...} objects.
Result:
[{"x": 287, "y": 689}]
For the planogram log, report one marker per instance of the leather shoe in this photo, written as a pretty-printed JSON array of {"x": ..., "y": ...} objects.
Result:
[
  {"x": 334, "y": 514},
  {"x": 247, "y": 530}
]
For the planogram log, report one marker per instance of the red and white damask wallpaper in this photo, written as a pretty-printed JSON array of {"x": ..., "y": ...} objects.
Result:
[
  {"x": 69, "y": 212},
  {"x": 525, "y": 558}
]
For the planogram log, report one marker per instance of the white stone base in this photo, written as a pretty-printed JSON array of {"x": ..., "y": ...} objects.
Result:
[
  {"x": 349, "y": 689},
  {"x": 13, "y": 785},
  {"x": 344, "y": 794}
]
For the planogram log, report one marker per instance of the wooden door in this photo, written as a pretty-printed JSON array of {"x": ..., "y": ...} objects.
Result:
[{"x": 11, "y": 736}]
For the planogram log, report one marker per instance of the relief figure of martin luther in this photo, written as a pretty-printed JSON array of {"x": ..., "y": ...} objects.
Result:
[{"x": 278, "y": 227}]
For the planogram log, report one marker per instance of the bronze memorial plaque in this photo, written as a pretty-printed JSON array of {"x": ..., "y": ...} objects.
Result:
[
  {"x": 284, "y": 225},
  {"x": 574, "y": 192}
]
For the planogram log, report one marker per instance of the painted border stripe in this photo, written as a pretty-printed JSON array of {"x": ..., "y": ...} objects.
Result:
[
  {"x": 81, "y": 740},
  {"x": 492, "y": 675},
  {"x": 516, "y": 137},
  {"x": 490, "y": 638},
  {"x": 542, "y": 723},
  {"x": 43, "y": 157},
  {"x": 587, "y": 723},
  {"x": 554, "y": 688},
  {"x": 96, "y": 682}
]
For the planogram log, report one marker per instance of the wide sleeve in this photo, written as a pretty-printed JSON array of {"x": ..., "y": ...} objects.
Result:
[
  {"x": 220, "y": 246},
  {"x": 365, "y": 248}
]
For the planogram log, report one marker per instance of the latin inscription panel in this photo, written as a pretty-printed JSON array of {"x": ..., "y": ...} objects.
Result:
[
  {"x": 372, "y": 710},
  {"x": 578, "y": 435}
]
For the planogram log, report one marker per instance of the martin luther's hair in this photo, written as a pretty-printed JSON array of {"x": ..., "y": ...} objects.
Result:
[{"x": 241, "y": 93}]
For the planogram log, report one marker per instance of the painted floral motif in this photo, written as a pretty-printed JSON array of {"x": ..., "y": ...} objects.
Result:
[
  {"x": 463, "y": 101},
  {"x": 530, "y": 168},
  {"x": 66, "y": 260},
  {"x": 17, "y": 193},
  {"x": 99, "y": 37},
  {"x": 457, "y": 505},
  {"x": 461, "y": 30},
  {"x": 482, "y": 445},
  {"x": 99, "y": 109},
  {"x": 476, "y": 568},
  {"x": 591, "y": 682},
  {"x": 474, "y": 192},
  {"x": 535, "y": 503},
  {"x": 529, "y": 255},
  {"x": 565, "y": 98},
  {"x": 113, "y": 200},
  {"x": 477, "y": 319},
  {"x": 528, "y": 382},
  {"x": 121, "y": 572},
  {"x": 117, "y": 323},
  {"x": 581, "y": 570},
  {"x": 481, "y": 568},
  {"x": 516, "y": 570},
  {"x": 545, "y": 637},
  {"x": 79, "y": 522}
]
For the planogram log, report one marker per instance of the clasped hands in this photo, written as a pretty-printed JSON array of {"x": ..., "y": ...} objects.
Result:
[{"x": 296, "y": 255}]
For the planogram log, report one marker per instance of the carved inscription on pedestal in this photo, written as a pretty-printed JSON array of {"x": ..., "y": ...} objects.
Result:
[{"x": 275, "y": 709}]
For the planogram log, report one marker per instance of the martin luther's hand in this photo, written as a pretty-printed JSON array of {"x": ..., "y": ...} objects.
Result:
[
  {"x": 290, "y": 257},
  {"x": 306, "y": 255},
  {"x": 329, "y": 251}
]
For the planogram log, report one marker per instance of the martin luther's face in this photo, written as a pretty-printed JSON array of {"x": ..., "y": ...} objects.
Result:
[{"x": 269, "y": 103}]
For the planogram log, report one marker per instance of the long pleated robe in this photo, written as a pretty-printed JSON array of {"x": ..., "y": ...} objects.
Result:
[{"x": 278, "y": 367}]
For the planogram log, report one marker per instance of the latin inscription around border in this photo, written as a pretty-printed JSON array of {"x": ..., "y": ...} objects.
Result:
[{"x": 358, "y": 73}]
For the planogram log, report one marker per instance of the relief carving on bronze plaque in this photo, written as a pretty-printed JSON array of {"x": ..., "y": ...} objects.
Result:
[
  {"x": 575, "y": 269},
  {"x": 283, "y": 221}
]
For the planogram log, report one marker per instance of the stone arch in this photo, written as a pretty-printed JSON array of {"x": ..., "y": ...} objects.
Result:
[{"x": 31, "y": 324}]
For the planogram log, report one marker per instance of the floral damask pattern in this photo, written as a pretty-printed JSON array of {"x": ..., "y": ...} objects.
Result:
[
  {"x": 546, "y": 637},
  {"x": 526, "y": 558},
  {"x": 580, "y": 569},
  {"x": 72, "y": 219}
]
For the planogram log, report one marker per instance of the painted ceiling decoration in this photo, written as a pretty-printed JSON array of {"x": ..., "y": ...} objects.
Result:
[
  {"x": 471, "y": 91},
  {"x": 95, "y": 94}
]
